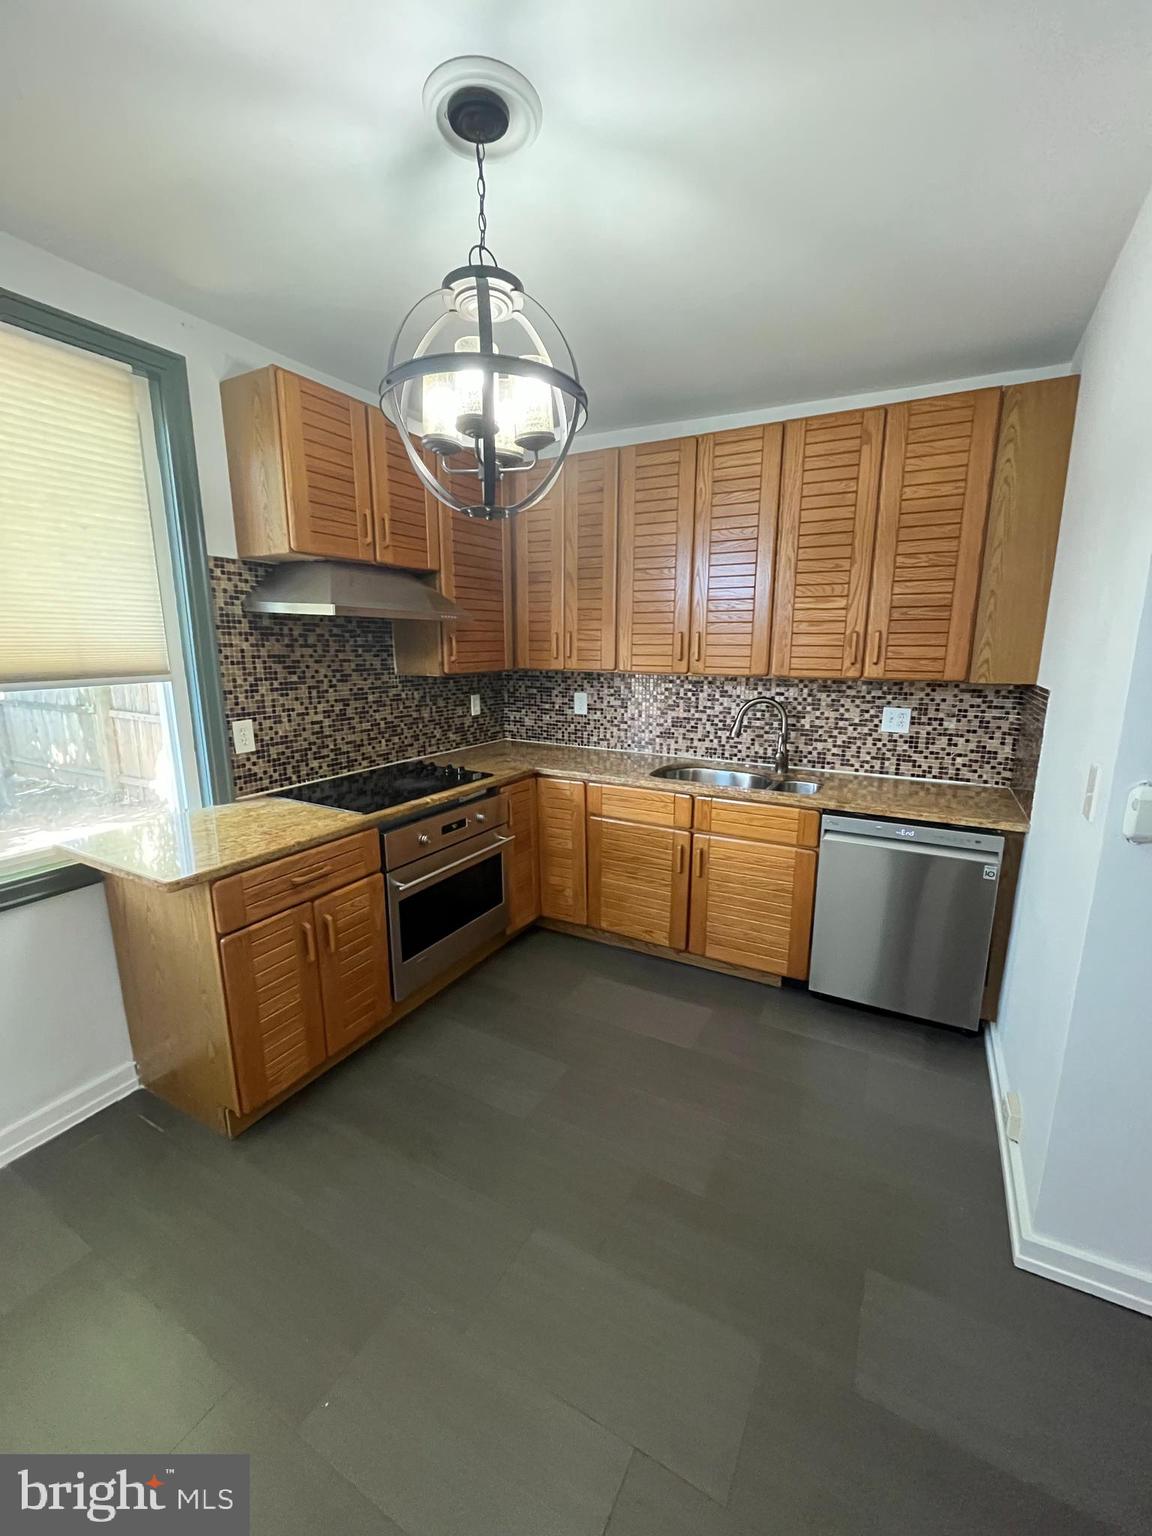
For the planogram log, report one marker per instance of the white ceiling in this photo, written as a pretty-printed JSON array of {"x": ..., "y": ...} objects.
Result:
[{"x": 731, "y": 204}]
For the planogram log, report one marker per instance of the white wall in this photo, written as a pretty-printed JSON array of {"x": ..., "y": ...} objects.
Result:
[
  {"x": 1074, "y": 1038},
  {"x": 64, "y": 1049}
]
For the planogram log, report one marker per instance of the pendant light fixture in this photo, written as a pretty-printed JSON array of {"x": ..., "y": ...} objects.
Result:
[{"x": 481, "y": 383}]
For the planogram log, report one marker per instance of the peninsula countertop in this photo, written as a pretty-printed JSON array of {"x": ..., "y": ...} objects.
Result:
[{"x": 175, "y": 849}]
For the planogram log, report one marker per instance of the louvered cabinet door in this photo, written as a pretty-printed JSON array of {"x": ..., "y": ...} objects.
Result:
[
  {"x": 638, "y": 881},
  {"x": 657, "y": 495},
  {"x": 538, "y": 574},
  {"x": 475, "y": 571},
  {"x": 353, "y": 948},
  {"x": 829, "y": 486},
  {"x": 325, "y": 444},
  {"x": 591, "y": 484},
  {"x": 752, "y": 904},
  {"x": 563, "y": 850},
  {"x": 274, "y": 1013},
  {"x": 524, "y": 860},
  {"x": 405, "y": 520},
  {"x": 737, "y": 495},
  {"x": 930, "y": 535}
]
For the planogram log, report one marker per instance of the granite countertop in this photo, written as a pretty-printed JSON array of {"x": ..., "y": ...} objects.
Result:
[{"x": 174, "y": 850}]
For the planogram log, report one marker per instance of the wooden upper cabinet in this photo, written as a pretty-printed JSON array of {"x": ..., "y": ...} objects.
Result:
[
  {"x": 930, "y": 535},
  {"x": 657, "y": 495},
  {"x": 1023, "y": 525},
  {"x": 405, "y": 521},
  {"x": 326, "y": 472},
  {"x": 563, "y": 849},
  {"x": 274, "y": 1012},
  {"x": 538, "y": 566},
  {"x": 829, "y": 486},
  {"x": 353, "y": 950},
  {"x": 476, "y": 573},
  {"x": 590, "y": 482},
  {"x": 737, "y": 495}
]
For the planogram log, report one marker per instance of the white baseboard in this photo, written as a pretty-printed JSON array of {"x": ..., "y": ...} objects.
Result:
[
  {"x": 35, "y": 1129},
  {"x": 1044, "y": 1255}
]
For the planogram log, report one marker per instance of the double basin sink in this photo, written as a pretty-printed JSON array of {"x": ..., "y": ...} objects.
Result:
[{"x": 735, "y": 778}]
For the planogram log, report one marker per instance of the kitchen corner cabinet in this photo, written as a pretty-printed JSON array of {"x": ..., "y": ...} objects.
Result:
[
  {"x": 524, "y": 859},
  {"x": 829, "y": 486},
  {"x": 1023, "y": 525},
  {"x": 315, "y": 474},
  {"x": 639, "y": 844},
  {"x": 564, "y": 570},
  {"x": 476, "y": 573},
  {"x": 933, "y": 511},
  {"x": 560, "y": 812}
]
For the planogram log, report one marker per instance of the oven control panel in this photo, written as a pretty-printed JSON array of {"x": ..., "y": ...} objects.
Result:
[{"x": 441, "y": 829}]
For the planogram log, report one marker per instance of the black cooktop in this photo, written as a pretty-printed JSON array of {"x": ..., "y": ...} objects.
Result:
[{"x": 379, "y": 788}]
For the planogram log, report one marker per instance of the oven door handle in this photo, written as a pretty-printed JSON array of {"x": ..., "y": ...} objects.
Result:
[{"x": 497, "y": 843}]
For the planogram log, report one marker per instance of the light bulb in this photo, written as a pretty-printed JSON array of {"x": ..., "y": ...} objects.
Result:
[
  {"x": 469, "y": 391},
  {"x": 535, "y": 428}
]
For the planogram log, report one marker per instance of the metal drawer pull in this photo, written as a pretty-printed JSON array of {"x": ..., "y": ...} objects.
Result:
[
  {"x": 473, "y": 858},
  {"x": 315, "y": 873}
]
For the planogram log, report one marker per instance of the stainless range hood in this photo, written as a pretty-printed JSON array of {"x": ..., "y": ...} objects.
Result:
[{"x": 325, "y": 589}]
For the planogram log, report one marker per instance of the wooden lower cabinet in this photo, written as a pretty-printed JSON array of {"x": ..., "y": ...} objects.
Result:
[
  {"x": 752, "y": 904},
  {"x": 638, "y": 881},
  {"x": 303, "y": 985},
  {"x": 275, "y": 1018},
  {"x": 524, "y": 860},
  {"x": 353, "y": 961},
  {"x": 563, "y": 850}
]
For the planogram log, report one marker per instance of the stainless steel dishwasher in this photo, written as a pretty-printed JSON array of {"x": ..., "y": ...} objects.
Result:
[{"x": 904, "y": 917}]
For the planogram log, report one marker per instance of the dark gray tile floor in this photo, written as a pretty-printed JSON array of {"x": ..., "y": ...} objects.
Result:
[{"x": 591, "y": 1243}]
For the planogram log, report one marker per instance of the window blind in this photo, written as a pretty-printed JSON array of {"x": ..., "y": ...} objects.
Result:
[{"x": 79, "y": 592}]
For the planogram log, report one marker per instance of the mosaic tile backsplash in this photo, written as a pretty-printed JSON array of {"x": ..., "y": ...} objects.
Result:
[
  {"x": 326, "y": 699},
  {"x": 1032, "y": 716},
  {"x": 958, "y": 732},
  {"x": 324, "y": 693}
]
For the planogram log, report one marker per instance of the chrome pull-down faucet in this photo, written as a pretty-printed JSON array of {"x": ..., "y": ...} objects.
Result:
[{"x": 780, "y": 757}]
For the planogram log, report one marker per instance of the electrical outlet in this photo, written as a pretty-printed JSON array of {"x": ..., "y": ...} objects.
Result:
[
  {"x": 243, "y": 736},
  {"x": 474, "y": 703},
  {"x": 579, "y": 703},
  {"x": 1088, "y": 809},
  {"x": 898, "y": 720}
]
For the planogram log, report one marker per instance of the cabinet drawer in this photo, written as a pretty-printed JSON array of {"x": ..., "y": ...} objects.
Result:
[
  {"x": 270, "y": 888},
  {"x": 649, "y": 807},
  {"x": 786, "y": 824}
]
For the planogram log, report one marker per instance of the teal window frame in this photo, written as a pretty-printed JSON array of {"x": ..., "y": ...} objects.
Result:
[{"x": 167, "y": 375}]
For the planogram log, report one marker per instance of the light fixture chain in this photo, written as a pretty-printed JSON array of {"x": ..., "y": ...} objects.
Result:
[{"x": 480, "y": 249}]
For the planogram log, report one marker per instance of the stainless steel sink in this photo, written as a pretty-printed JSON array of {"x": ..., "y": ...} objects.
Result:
[{"x": 735, "y": 778}]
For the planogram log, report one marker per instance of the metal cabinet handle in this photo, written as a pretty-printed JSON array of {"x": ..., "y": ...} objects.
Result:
[
  {"x": 877, "y": 642},
  {"x": 309, "y": 943},
  {"x": 306, "y": 876},
  {"x": 494, "y": 846},
  {"x": 330, "y": 933}
]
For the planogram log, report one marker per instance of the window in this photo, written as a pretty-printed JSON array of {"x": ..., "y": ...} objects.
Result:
[{"x": 109, "y": 700}]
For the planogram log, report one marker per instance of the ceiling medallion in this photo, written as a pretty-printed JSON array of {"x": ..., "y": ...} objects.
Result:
[{"x": 481, "y": 382}]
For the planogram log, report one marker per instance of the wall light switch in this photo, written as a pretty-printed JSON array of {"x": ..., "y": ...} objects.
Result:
[
  {"x": 579, "y": 703},
  {"x": 474, "y": 703},
  {"x": 243, "y": 736},
  {"x": 896, "y": 720},
  {"x": 1088, "y": 809}
]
